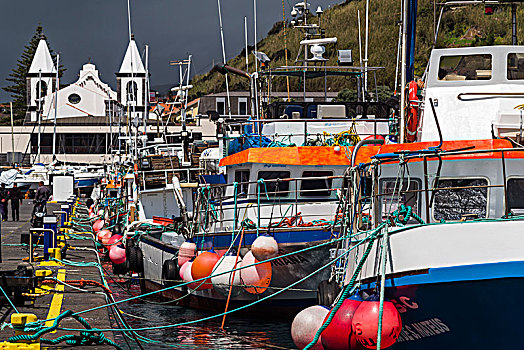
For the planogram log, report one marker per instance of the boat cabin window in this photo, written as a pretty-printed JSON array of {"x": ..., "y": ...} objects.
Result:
[
  {"x": 242, "y": 177},
  {"x": 515, "y": 189},
  {"x": 515, "y": 66},
  {"x": 461, "y": 199},
  {"x": 393, "y": 195},
  {"x": 465, "y": 67},
  {"x": 274, "y": 188},
  {"x": 319, "y": 186}
]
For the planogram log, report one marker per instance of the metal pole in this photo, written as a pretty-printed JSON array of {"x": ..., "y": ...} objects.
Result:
[
  {"x": 359, "y": 47},
  {"x": 403, "y": 72},
  {"x": 513, "y": 24},
  {"x": 247, "y": 48},
  {"x": 56, "y": 106},
  {"x": 146, "y": 94},
  {"x": 366, "y": 51},
  {"x": 12, "y": 142},
  {"x": 255, "y": 31}
]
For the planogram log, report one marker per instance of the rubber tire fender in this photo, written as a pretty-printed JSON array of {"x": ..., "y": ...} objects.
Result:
[
  {"x": 170, "y": 272},
  {"x": 327, "y": 292}
]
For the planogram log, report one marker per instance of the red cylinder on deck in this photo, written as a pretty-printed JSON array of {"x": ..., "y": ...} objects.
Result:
[
  {"x": 365, "y": 323},
  {"x": 202, "y": 267}
]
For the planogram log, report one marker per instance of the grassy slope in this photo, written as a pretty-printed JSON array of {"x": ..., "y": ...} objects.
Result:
[{"x": 460, "y": 27}]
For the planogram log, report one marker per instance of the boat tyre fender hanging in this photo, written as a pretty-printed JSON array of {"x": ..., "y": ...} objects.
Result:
[
  {"x": 170, "y": 272},
  {"x": 327, "y": 292},
  {"x": 120, "y": 269},
  {"x": 135, "y": 258}
]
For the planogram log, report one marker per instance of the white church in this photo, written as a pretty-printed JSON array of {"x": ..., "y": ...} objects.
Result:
[{"x": 89, "y": 114}]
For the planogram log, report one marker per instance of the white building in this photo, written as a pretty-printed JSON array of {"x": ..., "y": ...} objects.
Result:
[{"x": 89, "y": 114}]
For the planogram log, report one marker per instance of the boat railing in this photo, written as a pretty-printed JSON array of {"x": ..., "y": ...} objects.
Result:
[
  {"x": 227, "y": 207},
  {"x": 159, "y": 178}
]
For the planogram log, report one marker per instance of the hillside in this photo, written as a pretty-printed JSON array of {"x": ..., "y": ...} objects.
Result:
[{"x": 467, "y": 26}]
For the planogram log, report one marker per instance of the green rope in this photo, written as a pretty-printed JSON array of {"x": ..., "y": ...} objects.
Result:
[{"x": 9, "y": 300}]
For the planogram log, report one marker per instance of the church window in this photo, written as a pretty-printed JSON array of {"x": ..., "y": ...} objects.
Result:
[
  {"x": 42, "y": 86},
  {"x": 74, "y": 98},
  {"x": 131, "y": 90}
]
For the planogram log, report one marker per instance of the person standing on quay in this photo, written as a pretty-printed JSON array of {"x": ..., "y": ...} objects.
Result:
[
  {"x": 4, "y": 197},
  {"x": 15, "y": 195}
]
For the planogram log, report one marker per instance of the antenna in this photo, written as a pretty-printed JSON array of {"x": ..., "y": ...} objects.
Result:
[
  {"x": 129, "y": 19},
  {"x": 224, "y": 56},
  {"x": 247, "y": 47}
]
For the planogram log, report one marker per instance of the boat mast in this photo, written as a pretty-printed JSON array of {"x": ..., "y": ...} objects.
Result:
[
  {"x": 223, "y": 56},
  {"x": 56, "y": 106},
  {"x": 403, "y": 71},
  {"x": 39, "y": 111},
  {"x": 366, "y": 52}
]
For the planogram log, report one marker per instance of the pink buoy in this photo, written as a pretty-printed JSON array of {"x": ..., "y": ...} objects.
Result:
[
  {"x": 118, "y": 254},
  {"x": 183, "y": 269},
  {"x": 264, "y": 247},
  {"x": 256, "y": 278},
  {"x": 306, "y": 324},
  {"x": 113, "y": 241},
  {"x": 186, "y": 252},
  {"x": 97, "y": 226},
  {"x": 187, "y": 277},
  {"x": 103, "y": 236}
]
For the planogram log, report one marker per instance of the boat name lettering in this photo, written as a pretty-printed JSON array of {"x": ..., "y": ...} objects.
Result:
[
  {"x": 403, "y": 303},
  {"x": 423, "y": 329},
  {"x": 290, "y": 260}
]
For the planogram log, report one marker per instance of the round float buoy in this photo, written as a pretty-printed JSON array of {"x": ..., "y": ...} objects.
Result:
[
  {"x": 169, "y": 272},
  {"x": 182, "y": 270},
  {"x": 203, "y": 267},
  {"x": 118, "y": 254},
  {"x": 365, "y": 323},
  {"x": 186, "y": 252},
  {"x": 187, "y": 277},
  {"x": 113, "y": 241},
  {"x": 264, "y": 247},
  {"x": 223, "y": 283},
  {"x": 103, "y": 236},
  {"x": 256, "y": 278},
  {"x": 97, "y": 226},
  {"x": 337, "y": 335},
  {"x": 306, "y": 324}
]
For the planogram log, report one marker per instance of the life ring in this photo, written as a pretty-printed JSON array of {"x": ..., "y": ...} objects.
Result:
[{"x": 412, "y": 120}]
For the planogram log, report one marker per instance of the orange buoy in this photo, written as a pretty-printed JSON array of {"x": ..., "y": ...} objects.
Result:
[
  {"x": 97, "y": 226},
  {"x": 256, "y": 278},
  {"x": 202, "y": 267},
  {"x": 186, "y": 252},
  {"x": 365, "y": 323},
  {"x": 264, "y": 247},
  {"x": 337, "y": 335},
  {"x": 113, "y": 241},
  {"x": 306, "y": 324}
]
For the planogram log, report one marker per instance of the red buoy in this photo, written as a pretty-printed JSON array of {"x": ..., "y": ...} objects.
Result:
[
  {"x": 97, "y": 226},
  {"x": 202, "y": 267},
  {"x": 103, "y": 236},
  {"x": 365, "y": 323},
  {"x": 337, "y": 335},
  {"x": 118, "y": 254},
  {"x": 114, "y": 240}
]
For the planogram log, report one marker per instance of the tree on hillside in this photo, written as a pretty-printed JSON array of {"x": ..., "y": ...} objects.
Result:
[{"x": 17, "y": 78}]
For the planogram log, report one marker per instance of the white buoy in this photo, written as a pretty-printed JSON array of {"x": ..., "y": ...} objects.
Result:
[
  {"x": 264, "y": 247},
  {"x": 222, "y": 283},
  {"x": 306, "y": 324}
]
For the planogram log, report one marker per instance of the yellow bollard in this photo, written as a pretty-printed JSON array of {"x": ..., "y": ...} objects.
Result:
[{"x": 19, "y": 321}]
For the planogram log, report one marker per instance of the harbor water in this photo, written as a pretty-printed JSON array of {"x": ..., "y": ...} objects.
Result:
[{"x": 239, "y": 332}]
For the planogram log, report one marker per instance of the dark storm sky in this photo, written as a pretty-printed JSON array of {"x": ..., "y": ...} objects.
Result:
[{"x": 97, "y": 29}]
